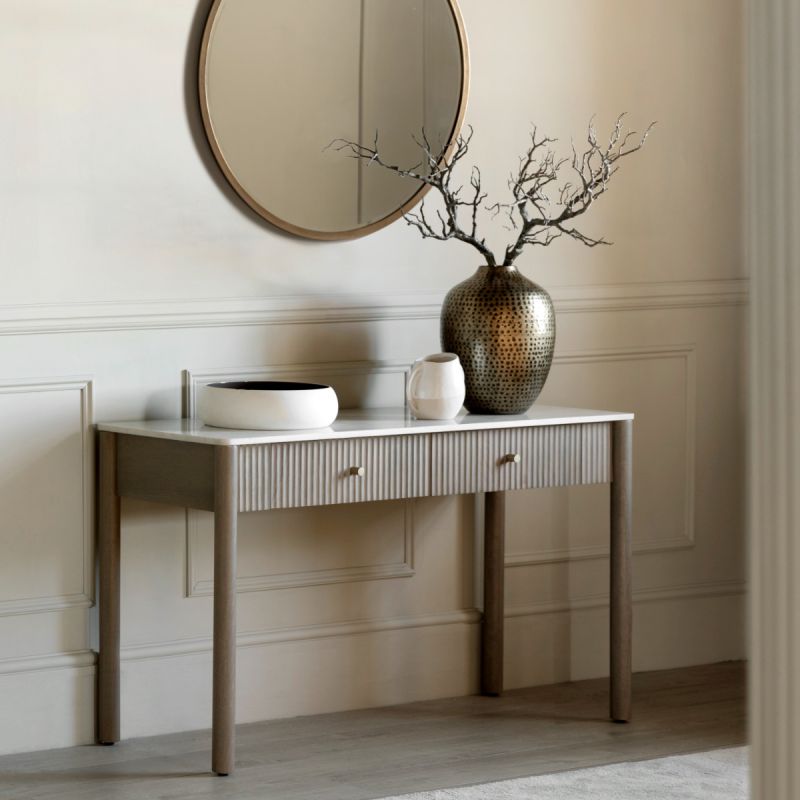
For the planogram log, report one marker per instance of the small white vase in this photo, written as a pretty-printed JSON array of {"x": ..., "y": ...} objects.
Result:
[{"x": 436, "y": 387}]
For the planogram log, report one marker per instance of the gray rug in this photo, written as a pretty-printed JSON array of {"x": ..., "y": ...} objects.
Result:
[{"x": 715, "y": 775}]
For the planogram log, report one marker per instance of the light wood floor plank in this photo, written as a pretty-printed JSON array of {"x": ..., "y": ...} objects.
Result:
[{"x": 361, "y": 755}]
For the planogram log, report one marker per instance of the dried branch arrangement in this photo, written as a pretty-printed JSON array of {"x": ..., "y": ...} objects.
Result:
[{"x": 542, "y": 206}]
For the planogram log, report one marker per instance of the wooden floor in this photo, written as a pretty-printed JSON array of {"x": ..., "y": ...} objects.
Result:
[{"x": 379, "y": 752}]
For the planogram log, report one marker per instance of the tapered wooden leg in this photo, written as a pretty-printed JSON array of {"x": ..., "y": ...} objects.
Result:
[
  {"x": 621, "y": 603},
  {"x": 108, "y": 552},
  {"x": 223, "y": 747},
  {"x": 493, "y": 589}
]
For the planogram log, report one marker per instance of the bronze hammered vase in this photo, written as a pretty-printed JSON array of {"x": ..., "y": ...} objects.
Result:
[{"x": 503, "y": 329}]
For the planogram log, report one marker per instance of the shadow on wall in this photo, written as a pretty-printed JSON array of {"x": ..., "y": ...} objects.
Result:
[
  {"x": 343, "y": 356},
  {"x": 312, "y": 344},
  {"x": 296, "y": 346}
]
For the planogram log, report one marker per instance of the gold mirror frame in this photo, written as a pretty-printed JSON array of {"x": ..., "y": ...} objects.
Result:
[{"x": 283, "y": 224}]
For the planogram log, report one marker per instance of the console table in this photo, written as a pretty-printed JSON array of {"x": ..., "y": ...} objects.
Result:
[{"x": 364, "y": 456}]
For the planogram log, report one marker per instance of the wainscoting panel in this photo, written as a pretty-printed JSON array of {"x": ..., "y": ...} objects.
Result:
[
  {"x": 572, "y": 524},
  {"x": 313, "y": 547},
  {"x": 330, "y": 585},
  {"x": 291, "y": 549},
  {"x": 46, "y": 496}
]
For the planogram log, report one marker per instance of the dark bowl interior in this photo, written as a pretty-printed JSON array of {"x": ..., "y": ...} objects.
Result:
[{"x": 266, "y": 386}]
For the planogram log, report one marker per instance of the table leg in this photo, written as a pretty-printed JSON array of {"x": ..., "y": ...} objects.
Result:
[
  {"x": 226, "y": 502},
  {"x": 108, "y": 553},
  {"x": 621, "y": 603},
  {"x": 493, "y": 590}
]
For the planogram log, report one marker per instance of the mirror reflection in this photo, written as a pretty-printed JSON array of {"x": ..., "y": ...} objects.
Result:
[{"x": 282, "y": 79}]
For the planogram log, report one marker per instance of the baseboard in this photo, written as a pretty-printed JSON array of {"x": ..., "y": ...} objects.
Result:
[
  {"x": 287, "y": 677},
  {"x": 48, "y": 705},
  {"x": 328, "y": 668},
  {"x": 670, "y": 629},
  {"x": 312, "y": 670}
]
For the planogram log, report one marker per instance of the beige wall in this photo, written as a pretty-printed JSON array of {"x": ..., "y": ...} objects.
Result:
[
  {"x": 124, "y": 265},
  {"x": 261, "y": 58}
]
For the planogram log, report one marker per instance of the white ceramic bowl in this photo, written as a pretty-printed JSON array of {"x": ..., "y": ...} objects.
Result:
[{"x": 267, "y": 405}]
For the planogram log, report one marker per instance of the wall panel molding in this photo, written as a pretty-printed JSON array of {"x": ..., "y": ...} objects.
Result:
[
  {"x": 593, "y": 552},
  {"x": 467, "y": 616},
  {"x": 200, "y": 646},
  {"x": 651, "y": 296},
  {"x": 30, "y": 319},
  {"x": 80, "y": 659},
  {"x": 84, "y": 598},
  {"x": 196, "y": 585},
  {"x": 659, "y": 594},
  {"x": 46, "y": 603},
  {"x": 683, "y": 540},
  {"x": 304, "y": 633}
]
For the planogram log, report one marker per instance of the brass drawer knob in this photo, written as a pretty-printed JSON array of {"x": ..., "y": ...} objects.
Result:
[
  {"x": 357, "y": 471},
  {"x": 511, "y": 458}
]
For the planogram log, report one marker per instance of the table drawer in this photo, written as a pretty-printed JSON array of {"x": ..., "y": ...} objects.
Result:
[
  {"x": 466, "y": 462},
  {"x": 328, "y": 472}
]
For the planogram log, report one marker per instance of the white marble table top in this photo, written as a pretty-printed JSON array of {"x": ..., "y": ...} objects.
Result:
[{"x": 360, "y": 423}]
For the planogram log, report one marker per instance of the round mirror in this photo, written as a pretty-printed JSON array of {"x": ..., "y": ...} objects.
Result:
[{"x": 281, "y": 80}]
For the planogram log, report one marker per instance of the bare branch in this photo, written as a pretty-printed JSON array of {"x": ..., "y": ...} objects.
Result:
[
  {"x": 539, "y": 210},
  {"x": 438, "y": 176},
  {"x": 593, "y": 169}
]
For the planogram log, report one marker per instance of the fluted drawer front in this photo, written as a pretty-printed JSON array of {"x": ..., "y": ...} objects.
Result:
[
  {"x": 254, "y": 477},
  {"x": 326, "y": 472},
  {"x": 465, "y": 462}
]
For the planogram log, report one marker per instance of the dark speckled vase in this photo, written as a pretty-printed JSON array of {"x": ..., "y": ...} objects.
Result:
[{"x": 503, "y": 329}]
